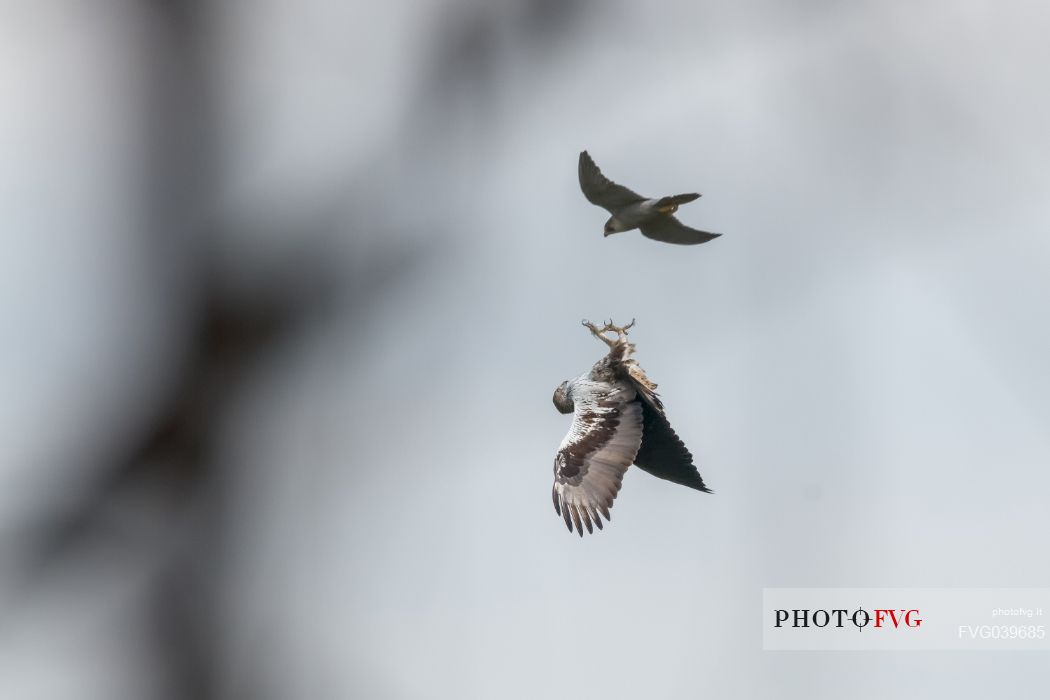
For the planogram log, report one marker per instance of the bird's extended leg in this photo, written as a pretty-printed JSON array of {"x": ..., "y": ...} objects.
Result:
[{"x": 609, "y": 327}]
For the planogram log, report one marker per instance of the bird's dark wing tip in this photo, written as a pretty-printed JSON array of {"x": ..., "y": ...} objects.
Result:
[{"x": 695, "y": 482}]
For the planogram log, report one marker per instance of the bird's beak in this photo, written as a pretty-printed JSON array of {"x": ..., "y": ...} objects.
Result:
[{"x": 606, "y": 233}]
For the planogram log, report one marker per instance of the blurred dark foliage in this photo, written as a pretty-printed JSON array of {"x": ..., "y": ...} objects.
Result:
[{"x": 171, "y": 464}]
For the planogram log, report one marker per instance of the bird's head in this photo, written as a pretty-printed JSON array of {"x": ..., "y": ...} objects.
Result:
[
  {"x": 613, "y": 225},
  {"x": 562, "y": 401}
]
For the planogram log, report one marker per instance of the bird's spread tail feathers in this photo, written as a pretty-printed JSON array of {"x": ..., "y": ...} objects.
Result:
[{"x": 670, "y": 204}]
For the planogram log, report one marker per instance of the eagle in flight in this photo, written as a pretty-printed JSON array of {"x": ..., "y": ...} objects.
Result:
[
  {"x": 654, "y": 217},
  {"x": 618, "y": 420}
]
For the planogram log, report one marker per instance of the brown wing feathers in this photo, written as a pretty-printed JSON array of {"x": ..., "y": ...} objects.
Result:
[{"x": 588, "y": 471}]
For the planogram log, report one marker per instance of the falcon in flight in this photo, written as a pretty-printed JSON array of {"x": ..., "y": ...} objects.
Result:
[
  {"x": 633, "y": 211},
  {"x": 618, "y": 420}
]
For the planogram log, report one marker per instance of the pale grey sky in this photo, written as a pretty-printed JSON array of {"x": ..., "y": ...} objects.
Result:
[{"x": 859, "y": 363}]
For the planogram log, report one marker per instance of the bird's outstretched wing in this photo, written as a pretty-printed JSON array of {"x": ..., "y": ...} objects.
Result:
[
  {"x": 602, "y": 191},
  {"x": 662, "y": 453},
  {"x": 668, "y": 229},
  {"x": 603, "y": 440}
]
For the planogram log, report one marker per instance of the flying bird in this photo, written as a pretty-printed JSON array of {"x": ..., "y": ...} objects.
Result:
[
  {"x": 618, "y": 420},
  {"x": 630, "y": 210}
]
